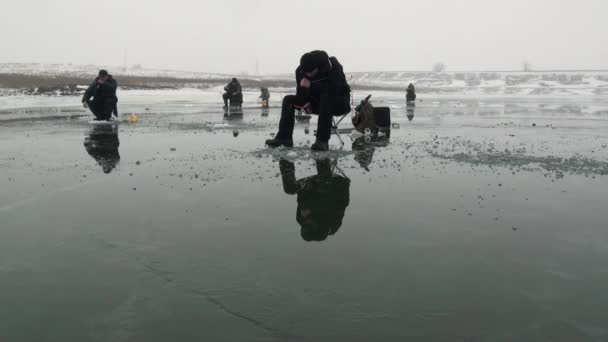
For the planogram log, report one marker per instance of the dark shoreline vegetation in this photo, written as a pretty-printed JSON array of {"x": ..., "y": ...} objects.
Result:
[
  {"x": 66, "y": 85},
  {"x": 448, "y": 83}
]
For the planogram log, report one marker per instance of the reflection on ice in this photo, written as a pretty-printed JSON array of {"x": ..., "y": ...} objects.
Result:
[
  {"x": 411, "y": 107},
  {"x": 102, "y": 144},
  {"x": 365, "y": 147},
  {"x": 322, "y": 199}
]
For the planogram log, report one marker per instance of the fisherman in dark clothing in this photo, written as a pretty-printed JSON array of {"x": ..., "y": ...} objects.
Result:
[
  {"x": 321, "y": 88},
  {"x": 234, "y": 93},
  {"x": 410, "y": 95},
  {"x": 102, "y": 144},
  {"x": 265, "y": 96},
  {"x": 322, "y": 199},
  {"x": 103, "y": 92}
]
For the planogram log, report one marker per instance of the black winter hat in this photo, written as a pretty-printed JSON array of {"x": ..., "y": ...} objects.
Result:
[
  {"x": 312, "y": 60},
  {"x": 103, "y": 72}
]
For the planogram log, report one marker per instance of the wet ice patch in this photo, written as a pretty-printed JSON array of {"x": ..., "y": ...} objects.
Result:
[
  {"x": 220, "y": 125},
  {"x": 514, "y": 157},
  {"x": 299, "y": 153}
]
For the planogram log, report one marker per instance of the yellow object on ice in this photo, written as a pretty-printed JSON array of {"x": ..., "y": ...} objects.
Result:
[{"x": 133, "y": 118}]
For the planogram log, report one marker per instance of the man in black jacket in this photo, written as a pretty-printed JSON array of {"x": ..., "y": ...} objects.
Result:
[
  {"x": 103, "y": 92},
  {"x": 410, "y": 95},
  {"x": 321, "y": 88},
  {"x": 322, "y": 199},
  {"x": 234, "y": 93}
]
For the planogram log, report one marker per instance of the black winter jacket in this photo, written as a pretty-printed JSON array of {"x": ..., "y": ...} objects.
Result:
[
  {"x": 233, "y": 89},
  {"x": 329, "y": 81},
  {"x": 102, "y": 92}
]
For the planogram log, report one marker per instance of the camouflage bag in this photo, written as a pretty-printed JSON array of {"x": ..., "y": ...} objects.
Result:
[{"x": 364, "y": 117}]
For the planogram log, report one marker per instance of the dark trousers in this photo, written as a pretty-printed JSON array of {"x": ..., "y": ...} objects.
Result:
[
  {"x": 102, "y": 109},
  {"x": 288, "y": 174},
  {"x": 325, "y": 107},
  {"x": 235, "y": 100}
]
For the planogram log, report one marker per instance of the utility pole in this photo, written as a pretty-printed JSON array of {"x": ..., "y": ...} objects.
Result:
[{"x": 125, "y": 60}]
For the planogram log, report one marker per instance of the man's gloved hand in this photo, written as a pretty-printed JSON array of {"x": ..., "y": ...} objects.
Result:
[
  {"x": 307, "y": 108},
  {"x": 305, "y": 83},
  {"x": 85, "y": 104}
]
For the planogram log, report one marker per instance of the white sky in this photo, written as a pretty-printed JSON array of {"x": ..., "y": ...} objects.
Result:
[{"x": 227, "y": 36}]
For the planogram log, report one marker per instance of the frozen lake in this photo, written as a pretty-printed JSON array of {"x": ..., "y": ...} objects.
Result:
[{"x": 479, "y": 220}]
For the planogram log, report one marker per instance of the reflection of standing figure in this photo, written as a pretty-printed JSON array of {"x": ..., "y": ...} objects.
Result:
[
  {"x": 102, "y": 144},
  {"x": 322, "y": 199},
  {"x": 410, "y": 95}
]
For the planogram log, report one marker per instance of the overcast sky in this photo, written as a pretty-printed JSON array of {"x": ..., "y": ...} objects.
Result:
[{"x": 227, "y": 36}]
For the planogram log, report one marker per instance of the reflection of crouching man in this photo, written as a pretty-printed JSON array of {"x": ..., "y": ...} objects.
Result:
[
  {"x": 102, "y": 144},
  {"x": 322, "y": 199},
  {"x": 103, "y": 94}
]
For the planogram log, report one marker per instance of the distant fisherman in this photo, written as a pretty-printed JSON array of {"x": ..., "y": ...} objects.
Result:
[
  {"x": 234, "y": 93},
  {"x": 103, "y": 93},
  {"x": 265, "y": 96},
  {"x": 410, "y": 95}
]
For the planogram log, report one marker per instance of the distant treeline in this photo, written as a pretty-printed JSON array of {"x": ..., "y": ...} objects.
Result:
[
  {"x": 21, "y": 81},
  {"x": 68, "y": 84}
]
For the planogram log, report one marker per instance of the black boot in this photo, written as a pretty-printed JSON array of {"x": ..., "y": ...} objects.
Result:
[
  {"x": 320, "y": 145},
  {"x": 276, "y": 142}
]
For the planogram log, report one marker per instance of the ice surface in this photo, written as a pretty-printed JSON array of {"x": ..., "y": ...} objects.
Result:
[{"x": 195, "y": 235}]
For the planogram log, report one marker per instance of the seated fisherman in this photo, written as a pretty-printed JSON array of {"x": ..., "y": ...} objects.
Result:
[
  {"x": 234, "y": 93},
  {"x": 321, "y": 88},
  {"x": 410, "y": 95}
]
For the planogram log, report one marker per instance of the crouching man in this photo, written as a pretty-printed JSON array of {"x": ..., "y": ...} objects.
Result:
[
  {"x": 265, "y": 97},
  {"x": 101, "y": 98}
]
